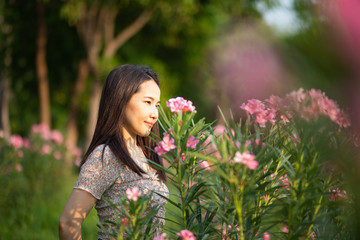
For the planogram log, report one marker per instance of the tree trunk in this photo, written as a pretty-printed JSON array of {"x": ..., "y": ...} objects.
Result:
[
  {"x": 41, "y": 66},
  {"x": 72, "y": 127},
  {"x": 4, "y": 96},
  {"x": 5, "y": 83},
  {"x": 93, "y": 109}
]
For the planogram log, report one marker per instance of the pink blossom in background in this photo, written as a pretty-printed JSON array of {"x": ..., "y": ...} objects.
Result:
[
  {"x": 247, "y": 159},
  {"x": 191, "y": 142},
  {"x": 18, "y": 167},
  {"x": 45, "y": 149},
  {"x": 337, "y": 194},
  {"x": 186, "y": 235},
  {"x": 285, "y": 229},
  {"x": 57, "y": 155},
  {"x": 16, "y": 141},
  {"x": 253, "y": 106},
  {"x": 179, "y": 104},
  {"x": 219, "y": 130},
  {"x": 56, "y": 136},
  {"x": 133, "y": 194},
  {"x": 42, "y": 129},
  {"x": 237, "y": 144},
  {"x": 307, "y": 105},
  {"x": 205, "y": 165},
  {"x": 266, "y": 236},
  {"x": 182, "y": 157},
  {"x": 160, "y": 237},
  {"x": 261, "y": 119},
  {"x": 247, "y": 143},
  {"x": 26, "y": 143}
]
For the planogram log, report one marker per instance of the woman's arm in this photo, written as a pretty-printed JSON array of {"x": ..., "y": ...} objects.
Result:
[{"x": 75, "y": 211}]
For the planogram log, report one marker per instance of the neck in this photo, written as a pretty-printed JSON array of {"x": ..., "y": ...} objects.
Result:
[{"x": 130, "y": 139}]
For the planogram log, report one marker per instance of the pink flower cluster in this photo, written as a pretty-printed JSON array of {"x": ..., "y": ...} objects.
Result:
[
  {"x": 161, "y": 237},
  {"x": 186, "y": 235},
  {"x": 308, "y": 105},
  {"x": 166, "y": 145},
  {"x": 247, "y": 159},
  {"x": 226, "y": 229},
  {"x": 133, "y": 194},
  {"x": 179, "y": 104},
  {"x": 46, "y": 133},
  {"x": 337, "y": 194}
]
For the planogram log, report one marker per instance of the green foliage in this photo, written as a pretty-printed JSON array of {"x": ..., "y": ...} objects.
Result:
[{"x": 134, "y": 219}]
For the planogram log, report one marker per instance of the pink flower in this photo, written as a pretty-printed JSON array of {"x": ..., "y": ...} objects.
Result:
[
  {"x": 191, "y": 142},
  {"x": 26, "y": 143},
  {"x": 186, "y": 235},
  {"x": 337, "y": 194},
  {"x": 179, "y": 104},
  {"x": 133, "y": 194},
  {"x": 18, "y": 167},
  {"x": 266, "y": 236},
  {"x": 56, "y": 136},
  {"x": 261, "y": 118},
  {"x": 41, "y": 129},
  {"x": 46, "y": 149},
  {"x": 160, "y": 237},
  {"x": 219, "y": 130},
  {"x": 205, "y": 165},
  {"x": 285, "y": 119},
  {"x": 57, "y": 155},
  {"x": 159, "y": 151},
  {"x": 285, "y": 229},
  {"x": 247, "y": 159},
  {"x": 253, "y": 106},
  {"x": 16, "y": 141},
  {"x": 166, "y": 145},
  {"x": 182, "y": 157}
]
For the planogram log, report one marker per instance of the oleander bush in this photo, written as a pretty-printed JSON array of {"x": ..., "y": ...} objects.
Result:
[
  {"x": 278, "y": 174},
  {"x": 32, "y": 172}
]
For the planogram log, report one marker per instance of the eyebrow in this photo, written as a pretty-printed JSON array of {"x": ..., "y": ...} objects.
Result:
[{"x": 151, "y": 98}]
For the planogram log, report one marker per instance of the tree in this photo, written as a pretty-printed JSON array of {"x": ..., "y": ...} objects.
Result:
[
  {"x": 41, "y": 65},
  {"x": 7, "y": 37},
  {"x": 104, "y": 27}
]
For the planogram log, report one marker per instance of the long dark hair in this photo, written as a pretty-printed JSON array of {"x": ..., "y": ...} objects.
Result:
[{"x": 120, "y": 85}]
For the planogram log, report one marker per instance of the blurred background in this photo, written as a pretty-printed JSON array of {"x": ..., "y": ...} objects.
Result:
[{"x": 55, "y": 56}]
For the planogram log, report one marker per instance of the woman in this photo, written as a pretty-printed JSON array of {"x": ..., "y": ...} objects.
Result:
[{"x": 117, "y": 156}]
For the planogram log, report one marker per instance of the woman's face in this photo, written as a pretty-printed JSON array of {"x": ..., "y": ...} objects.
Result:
[{"x": 141, "y": 112}]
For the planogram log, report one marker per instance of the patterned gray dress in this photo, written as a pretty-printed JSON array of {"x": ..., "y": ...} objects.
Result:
[{"x": 110, "y": 178}]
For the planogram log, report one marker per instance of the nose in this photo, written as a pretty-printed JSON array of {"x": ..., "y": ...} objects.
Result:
[{"x": 154, "y": 113}]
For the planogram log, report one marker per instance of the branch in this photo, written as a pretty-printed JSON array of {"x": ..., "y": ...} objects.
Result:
[{"x": 128, "y": 32}]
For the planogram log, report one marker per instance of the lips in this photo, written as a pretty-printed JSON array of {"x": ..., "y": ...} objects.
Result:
[{"x": 149, "y": 124}]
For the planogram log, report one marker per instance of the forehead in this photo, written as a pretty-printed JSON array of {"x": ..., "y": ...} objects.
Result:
[{"x": 149, "y": 89}]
